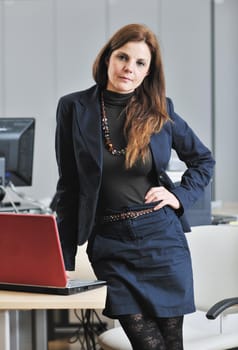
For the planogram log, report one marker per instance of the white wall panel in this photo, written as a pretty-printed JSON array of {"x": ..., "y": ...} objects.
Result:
[
  {"x": 226, "y": 97},
  {"x": 81, "y": 30},
  {"x": 186, "y": 39},
  {"x": 2, "y": 75},
  {"x": 122, "y": 12},
  {"x": 29, "y": 79}
]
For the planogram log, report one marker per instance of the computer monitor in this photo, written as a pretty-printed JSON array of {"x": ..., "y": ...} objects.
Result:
[{"x": 17, "y": 150}]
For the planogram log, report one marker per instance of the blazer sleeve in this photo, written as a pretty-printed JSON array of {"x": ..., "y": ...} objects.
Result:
[
  {"x": 195, "y": 155},
  {"x": 68, "y": 184}
]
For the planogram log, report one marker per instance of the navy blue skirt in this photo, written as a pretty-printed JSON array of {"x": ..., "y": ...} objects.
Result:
[{"x": 146, "y": 263}]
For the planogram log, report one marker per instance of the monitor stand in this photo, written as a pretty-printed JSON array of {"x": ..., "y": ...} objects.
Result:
[
  {"x": 3, "y": 190},
  {"x": 14, "y": 206},
  {"x": 2, "y": 171},
  {"x": 2, "y": 179},
  {"x": 8, "y": 204}
]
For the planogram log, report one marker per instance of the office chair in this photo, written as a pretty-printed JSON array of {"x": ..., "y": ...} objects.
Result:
[{"x": 214, "y": 251}]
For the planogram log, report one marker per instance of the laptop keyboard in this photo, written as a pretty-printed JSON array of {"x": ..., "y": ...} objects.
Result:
[{"x": 78, "y": 283}]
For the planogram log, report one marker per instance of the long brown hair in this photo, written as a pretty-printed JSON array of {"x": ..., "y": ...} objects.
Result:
[{"x": 146, "y": 111}]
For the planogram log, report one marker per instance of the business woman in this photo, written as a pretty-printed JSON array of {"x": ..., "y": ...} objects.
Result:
[{"x": 113, "y": 145}]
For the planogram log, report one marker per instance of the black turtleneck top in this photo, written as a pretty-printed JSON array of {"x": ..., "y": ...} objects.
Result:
[{"x": 122, "y": 187}]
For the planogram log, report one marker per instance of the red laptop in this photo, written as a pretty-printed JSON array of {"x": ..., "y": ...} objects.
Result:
[{"x": 31, "y": 258}]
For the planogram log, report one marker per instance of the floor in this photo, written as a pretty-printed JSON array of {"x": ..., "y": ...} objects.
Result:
[
  {"x": 79, "y": 343},
  {"x": 63, "y": 344},
  {"x": 71, "y": 331}
]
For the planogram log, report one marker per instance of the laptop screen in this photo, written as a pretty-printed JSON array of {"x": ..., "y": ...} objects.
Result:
[{"x": 30, "y": 250}]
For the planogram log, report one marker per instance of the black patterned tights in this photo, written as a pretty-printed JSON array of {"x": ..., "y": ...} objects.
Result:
[{"x": 153, "y": 333}]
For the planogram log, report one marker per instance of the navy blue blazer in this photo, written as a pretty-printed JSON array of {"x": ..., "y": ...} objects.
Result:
[{"x": 79, "y": 157}]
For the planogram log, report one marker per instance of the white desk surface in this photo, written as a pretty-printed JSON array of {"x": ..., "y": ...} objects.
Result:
[
  {"x": 92, "y": 299},
  {"x": 226, "y": 208}
]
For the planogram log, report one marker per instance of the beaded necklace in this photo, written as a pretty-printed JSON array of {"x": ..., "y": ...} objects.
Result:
[{"x": 106, "y": 133}]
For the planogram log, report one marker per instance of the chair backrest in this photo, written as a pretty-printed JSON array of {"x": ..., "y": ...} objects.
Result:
[{"x": 214, "y": 251}]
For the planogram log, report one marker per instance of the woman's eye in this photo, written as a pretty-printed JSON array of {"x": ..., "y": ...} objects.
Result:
[
  {"x": 141, "y": 63},
  {"x": 122, "y": 57}
]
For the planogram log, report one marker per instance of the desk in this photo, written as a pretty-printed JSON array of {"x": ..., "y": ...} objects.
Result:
[
  {"x": 225, "y": 213},
  {"x": 21, "y": 207},
  {"x": 15, "y": 301},
  {"x": 227, "y": 208}
]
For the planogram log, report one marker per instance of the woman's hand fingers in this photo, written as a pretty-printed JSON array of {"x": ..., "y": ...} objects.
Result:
[{"x": 162, "y": 195}]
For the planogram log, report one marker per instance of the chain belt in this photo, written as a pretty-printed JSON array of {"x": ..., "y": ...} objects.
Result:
[{"x": 125, "y": 215}]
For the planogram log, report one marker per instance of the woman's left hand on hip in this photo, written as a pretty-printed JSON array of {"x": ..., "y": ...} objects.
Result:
[{"x": 165, "y": 197}]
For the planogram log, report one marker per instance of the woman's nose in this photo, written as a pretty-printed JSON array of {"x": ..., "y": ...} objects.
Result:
[{"x": 129, "y": 67}]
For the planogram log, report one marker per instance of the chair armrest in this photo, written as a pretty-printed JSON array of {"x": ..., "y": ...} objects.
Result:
[{"x": 220, "y": 306}]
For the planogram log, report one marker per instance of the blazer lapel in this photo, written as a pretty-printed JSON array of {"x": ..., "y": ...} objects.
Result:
[{"x": 88, "y": 119}]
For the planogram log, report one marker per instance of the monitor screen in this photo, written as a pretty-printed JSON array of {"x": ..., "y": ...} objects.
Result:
[{"x": 17, "y": 148}]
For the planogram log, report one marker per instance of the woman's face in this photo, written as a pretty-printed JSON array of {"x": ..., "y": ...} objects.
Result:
[{"x": 128, "y": 66}]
